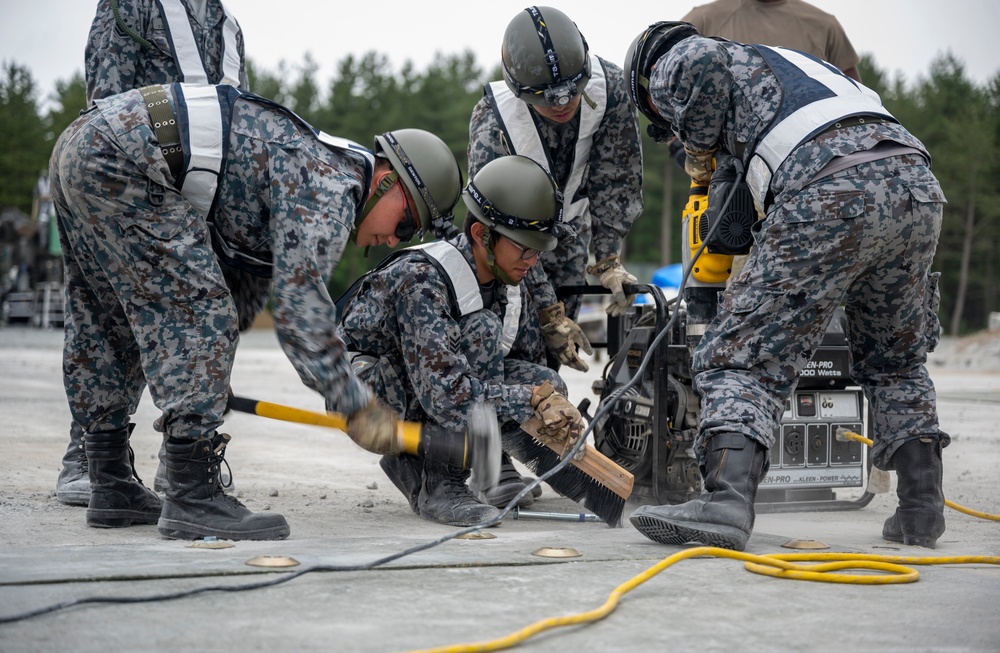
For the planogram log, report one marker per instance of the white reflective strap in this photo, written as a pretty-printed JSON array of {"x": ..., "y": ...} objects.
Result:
[
  {"x": 511, "y": 319},
  {"x": 850, "y": 99},
  {"x": 465, "y": 285},
  {"x": 793, "y": 130},
  {"x": 463, "y": 280},
  {"x": 759, "y": 180},
  {"x": 515, "y": 116},
  {"x": 345, "y": 144},
  {"x": 836, "y": 82},
  {"x": 205, "y": 145},
  {"x": 231, "y": 63},
  {"x": 590, "y": 122},
  {"x": 182, "y": 41}
]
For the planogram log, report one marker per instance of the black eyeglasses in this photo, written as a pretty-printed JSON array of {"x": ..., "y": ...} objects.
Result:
[
  {"x": 407, "y": 226},
  {"x": 526, "y": 252}
]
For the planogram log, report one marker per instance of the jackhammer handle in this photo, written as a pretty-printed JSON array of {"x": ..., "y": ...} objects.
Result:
[{"x": 412, "y": 437}]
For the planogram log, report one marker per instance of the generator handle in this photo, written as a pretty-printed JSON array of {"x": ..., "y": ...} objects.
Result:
[{"x": 659, "y": 299}]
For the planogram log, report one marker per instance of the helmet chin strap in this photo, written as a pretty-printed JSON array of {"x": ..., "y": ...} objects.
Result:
[
  {"x": 492, "y": 259},
  {"x": 383, "y": 186}
]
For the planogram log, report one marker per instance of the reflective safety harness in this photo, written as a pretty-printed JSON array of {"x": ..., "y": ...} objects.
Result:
[
  {"x": 815, "y": 97},
  {"x": 200, "y": 138},
  {"x": 462, "y": 284},
  {"x": 522, "y": 137},
  {"x": 184, "y": 46}
]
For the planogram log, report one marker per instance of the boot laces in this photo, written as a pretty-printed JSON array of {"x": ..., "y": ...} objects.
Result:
[
  {"x": 80, "y": 455},
  {"x": 216, "y": 460},
  {"x": 454, "y": 486},
  {"x": 131, "y": 462}
]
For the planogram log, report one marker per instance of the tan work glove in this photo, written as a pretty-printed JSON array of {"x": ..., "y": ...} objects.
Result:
[
  {"x": 699, "y": 165},
  {"x": 613, "y": 276},
  {"x": 564, "y": 337},
  {"x": 373, "y": 428},
  {"x": 555, "y": 419}
]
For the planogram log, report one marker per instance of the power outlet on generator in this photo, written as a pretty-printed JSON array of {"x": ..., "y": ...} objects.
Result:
[
  {"x": 846, "y": 452},
  {"x": 808, "y": 463},
  {"x": 793, "y": 446}
]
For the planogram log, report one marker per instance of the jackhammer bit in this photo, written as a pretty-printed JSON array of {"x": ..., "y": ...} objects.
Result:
[{"x": 478, "y": 449}]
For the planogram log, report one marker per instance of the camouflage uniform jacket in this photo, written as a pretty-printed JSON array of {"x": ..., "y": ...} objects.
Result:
[
  {"x": 717, "y": 93},
  {"x": 612, "y": 181},
  {"x": 115, "y": 61},
  {"x": 403, "y": 315},
  {"x": 284, "y": 197}
]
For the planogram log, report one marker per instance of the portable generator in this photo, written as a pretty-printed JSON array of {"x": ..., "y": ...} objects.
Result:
[{"x": 650, "y": 429}]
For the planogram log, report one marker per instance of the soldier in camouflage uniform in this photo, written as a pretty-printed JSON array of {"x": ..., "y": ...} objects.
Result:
[
  {"x": 574, "y": 118},
  {"x": 135, "y": 43},
  {"x": 159, "y": 192},
  {"x": 131, "y": 46},
  {"x": 852, "y": 216},
  {"x": 444, "y": 325}
]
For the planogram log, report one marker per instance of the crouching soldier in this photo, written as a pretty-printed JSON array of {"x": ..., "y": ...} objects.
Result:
[{"x": 440, "y": 326}]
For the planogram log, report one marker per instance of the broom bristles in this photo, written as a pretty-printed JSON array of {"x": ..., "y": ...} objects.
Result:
[{"x": 570, "y": 482}]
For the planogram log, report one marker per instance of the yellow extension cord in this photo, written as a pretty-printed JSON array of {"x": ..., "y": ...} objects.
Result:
[{"x": 778, "y": 565}]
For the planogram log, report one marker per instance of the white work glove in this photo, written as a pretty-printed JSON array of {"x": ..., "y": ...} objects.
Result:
[
  {"x": 373, "y": 428},
  {"x": 613, "y": 276},
  {"x": 699, "y": 165},
  {"x": 564, "y": 337},
  {"x": 555, "y": 420}
]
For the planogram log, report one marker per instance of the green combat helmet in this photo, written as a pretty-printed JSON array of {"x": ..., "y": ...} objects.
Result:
[
  {"x": 654, "y": 42},
  {"x": 429, "y": 171},
  {"x": 516, "y": 198},
  {"x": 545, "y": 59}
]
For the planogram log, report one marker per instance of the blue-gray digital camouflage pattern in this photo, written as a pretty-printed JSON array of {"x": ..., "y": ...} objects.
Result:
[
  {"x": 433, "y": 367},
  {"x": 864, "y": 237},
  {"x": 116, "y": 62},
  {"x": 613, "y": 183},
  {"x": 147, "y": 300}
]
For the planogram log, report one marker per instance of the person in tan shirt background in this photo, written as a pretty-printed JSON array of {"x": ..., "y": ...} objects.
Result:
[{"x": 788, "y": 23}]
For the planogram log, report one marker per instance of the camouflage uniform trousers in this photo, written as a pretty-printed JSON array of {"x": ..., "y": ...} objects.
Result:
[
  {"x": 864, "y": 237},
  {"x": 566, "y": 265},
  {"x": 486, "y": 363},
  {"x": 146, "y": 300}
]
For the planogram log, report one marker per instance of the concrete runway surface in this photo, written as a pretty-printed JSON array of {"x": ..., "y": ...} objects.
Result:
[{"x": 343, "y": 512}]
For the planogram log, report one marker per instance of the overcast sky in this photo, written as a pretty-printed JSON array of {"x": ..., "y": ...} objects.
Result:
[{"x": 48, "y": 36}]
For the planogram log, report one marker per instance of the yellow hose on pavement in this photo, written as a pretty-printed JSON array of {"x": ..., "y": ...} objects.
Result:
[
  {"x": 779, "y": 565},
  {"x": 826, "y": 569}
]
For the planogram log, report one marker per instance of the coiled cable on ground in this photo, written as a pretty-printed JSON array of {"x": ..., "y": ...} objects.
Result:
[
  {"x": 778, "y": 565},
  {"x": 824, "y": 568}
]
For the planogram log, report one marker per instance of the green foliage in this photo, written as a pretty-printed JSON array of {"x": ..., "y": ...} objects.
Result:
[
  {"x": 957, "y": 120},
  {"x": 71, "y": 98},
  {"x": 24, "y": 149}
]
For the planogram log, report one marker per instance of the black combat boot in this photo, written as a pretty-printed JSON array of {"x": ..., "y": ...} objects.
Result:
[
  {"x": 919, "y": 519},
  {"x": 196, "y": 505},
  {"x": 405, "y": 472},
  {"x": 509, "y": 484},
  {"x": 73, "y": 483},
  {"x": 117, "y": 496},
  {"x": 446, "y": 499},
  {"x": 723, "y": 514}
]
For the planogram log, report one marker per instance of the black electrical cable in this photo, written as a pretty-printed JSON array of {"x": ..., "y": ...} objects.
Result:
[{"x": 613, "y": 398}]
